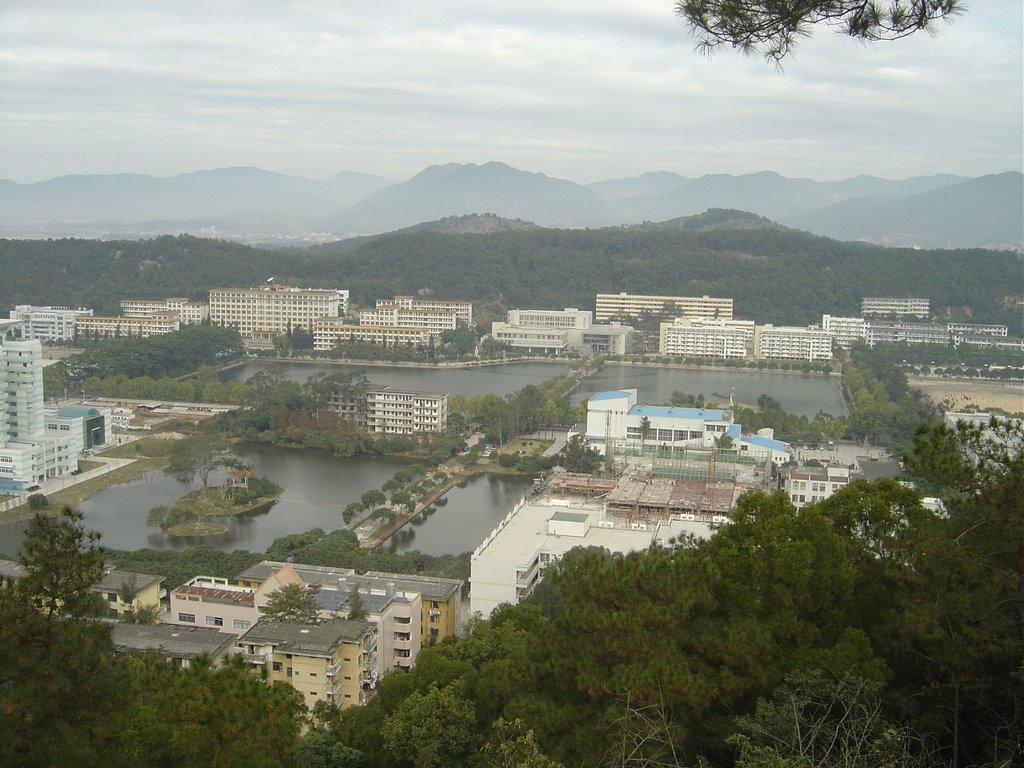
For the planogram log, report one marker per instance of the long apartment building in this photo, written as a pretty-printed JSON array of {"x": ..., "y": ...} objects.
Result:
[
  {"x": 329, "y": 331},
  {"x": 189, "y": 312},
  {"x": 792, "y": 343},
  {"x": 47, "y": 323},
  {"x": 463, "y": 310},
  {"x": 394, "y": 314},
  {"x": 272, "y": 310},
  {"x": 703, "y": 337},
  {"x": 896, "y": 306},
  {"x": 609, "y": 305},
  {"x": 99, "y": 327}
]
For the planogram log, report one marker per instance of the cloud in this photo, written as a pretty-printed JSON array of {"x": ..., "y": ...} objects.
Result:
[{"x": 579, "y": 90}]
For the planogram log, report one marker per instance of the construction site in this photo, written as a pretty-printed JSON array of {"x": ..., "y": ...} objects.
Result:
[{"x": 657, "y": 483}]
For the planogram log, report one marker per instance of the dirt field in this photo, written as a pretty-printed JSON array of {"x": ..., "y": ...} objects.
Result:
[{"x": 959, "y": 393}]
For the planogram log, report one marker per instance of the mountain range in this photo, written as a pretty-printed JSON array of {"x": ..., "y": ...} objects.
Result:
[{"x": 940, "y": 211}]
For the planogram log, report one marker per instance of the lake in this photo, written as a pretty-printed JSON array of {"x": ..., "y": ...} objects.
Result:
[
  {"x": 802, "y": 395},
  {"x": 318, "y": 487}
]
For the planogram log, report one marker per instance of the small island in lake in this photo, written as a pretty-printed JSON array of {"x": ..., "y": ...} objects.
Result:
[{"x": 197, "y": 512}]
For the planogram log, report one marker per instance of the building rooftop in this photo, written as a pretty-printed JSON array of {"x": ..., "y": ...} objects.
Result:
[
  {"x": 526, "y": 530},
  {"x": 114, "y": 581},
  {"x": 170, "y": 640},
  {"x": 430, "y": 587},
  {"x": 704, "y": 414},
  {"x": 610, "y": 395},
  {"x": 317, "y": 639},
  {"x": 234, "y": 596}
]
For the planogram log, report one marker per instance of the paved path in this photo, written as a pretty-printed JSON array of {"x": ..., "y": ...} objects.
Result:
[{"x": 60, "y": 483}]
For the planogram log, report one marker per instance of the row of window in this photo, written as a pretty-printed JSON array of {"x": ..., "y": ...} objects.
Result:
[{"x": 213, "y": 621}]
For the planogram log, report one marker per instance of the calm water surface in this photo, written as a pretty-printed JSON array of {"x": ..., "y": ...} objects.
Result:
[{"x": 319, "y": 486}]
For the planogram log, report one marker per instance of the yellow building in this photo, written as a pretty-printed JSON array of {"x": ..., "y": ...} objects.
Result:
[
  {"x": 334, "y": 662},
  {"x": 142, "y": 589},
  {"x": 441, "y": 602}
]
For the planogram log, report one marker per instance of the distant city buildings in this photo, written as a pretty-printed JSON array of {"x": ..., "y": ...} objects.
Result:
[{"x": 809, "y": 485}]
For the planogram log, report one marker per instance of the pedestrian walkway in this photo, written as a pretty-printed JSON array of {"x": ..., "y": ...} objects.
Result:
[{"x": 60, "y": 483}]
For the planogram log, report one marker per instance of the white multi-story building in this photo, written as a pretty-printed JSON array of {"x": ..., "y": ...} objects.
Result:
[
  {"x": 28, "y": 454},
  {"x": 189, "y": 312},
  {"x": 812, "y": 484},
  {"x": 328, "y": 331},
  {"x": 512, "y": 560},
  {"x": 570, "y": 317},
  {"x": 396, "y": 412},
  {"x": 554, "y": 331},
  {"x": 845, "y": 330},
  {"x": 616, "y": 416},
  {"x": 900, "y": 307},
  {"x": 392, "y": 314},
  {"x": 975, "y": 329},
  {"x": 47, "y": 323},
  {"x": 127, "y": 327},
  {"x": 902, "y": 332},
  {"x": 703, "y": 337},
  {"x": 609, "y": 305},
  {"x": 463, "y": 309},
  {"x": 272, "y": 310},
  {"x": 792, "y": 343}
]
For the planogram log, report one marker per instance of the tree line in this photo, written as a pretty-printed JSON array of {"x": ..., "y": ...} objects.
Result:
[
  {"x": 754, "y": 266},
  {"x": 866, "y": 630}
]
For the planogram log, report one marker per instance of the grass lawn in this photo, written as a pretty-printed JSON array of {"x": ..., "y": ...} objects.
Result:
[{"x": 527, "y": 447}]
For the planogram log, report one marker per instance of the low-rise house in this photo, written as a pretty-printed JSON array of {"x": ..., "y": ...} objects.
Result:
[
  {"x": 122, "y": 591},
  {"x": 335, "y": 661},
  {"x": 813, "y": 484},
  {"x": 180, "y": 645}
]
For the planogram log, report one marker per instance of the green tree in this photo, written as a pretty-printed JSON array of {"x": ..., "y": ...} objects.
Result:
[
  {"x": 62, "y": 700},
  {"x": 820, "y": 720},
  {"x": 197, "y": 457},
  {"x": 203, "y": 716},
  {"x": 372, "y": 498},
  {"x": 435, "y": 729},
  {"x": 291, "y": 604},
  {"x": 356, "y": 608},
  {"x": 772, "y": 28},
  {"x": 62, "y": 561}
]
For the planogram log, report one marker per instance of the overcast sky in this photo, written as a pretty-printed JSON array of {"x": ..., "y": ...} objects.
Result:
[{"x": 578, "y": 90}]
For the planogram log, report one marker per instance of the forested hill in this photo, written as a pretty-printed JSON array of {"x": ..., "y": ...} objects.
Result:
[{"x": 774, "y": 274}]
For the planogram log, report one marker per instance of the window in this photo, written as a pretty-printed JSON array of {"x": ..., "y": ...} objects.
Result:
[
  {"x": 187, "y": 618},
  {"x": 112, "y": 597},
  {"x": 277, "y": 666},
  {"x": 241, "y": 624},
  {"x": 214, "y": 621}
]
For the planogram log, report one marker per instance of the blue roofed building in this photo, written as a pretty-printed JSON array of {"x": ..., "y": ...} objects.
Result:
[{"x": 616, "y": 416}]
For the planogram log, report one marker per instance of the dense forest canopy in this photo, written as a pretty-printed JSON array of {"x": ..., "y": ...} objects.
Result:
[{"x": 774, "y": 274}]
